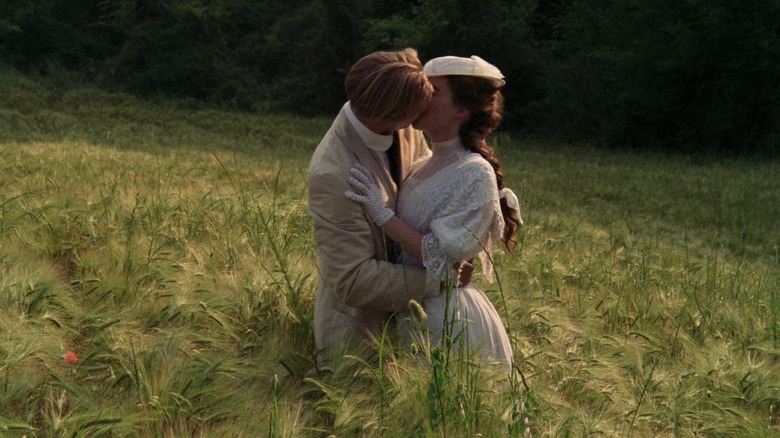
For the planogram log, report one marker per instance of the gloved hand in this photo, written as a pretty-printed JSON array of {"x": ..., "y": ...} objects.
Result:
[{"x": 367, "y": 192}]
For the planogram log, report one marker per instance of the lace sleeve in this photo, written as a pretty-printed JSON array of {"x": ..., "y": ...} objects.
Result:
[
  {"x": 470, "y": 226},
  {"x": 434, "y": 259}
]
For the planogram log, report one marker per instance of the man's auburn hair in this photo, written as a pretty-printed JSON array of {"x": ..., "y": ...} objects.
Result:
[{"x": 388, "y": 87}]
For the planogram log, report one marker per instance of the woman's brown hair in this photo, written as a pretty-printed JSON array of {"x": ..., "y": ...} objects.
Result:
[{"x": 486, "y": 106}]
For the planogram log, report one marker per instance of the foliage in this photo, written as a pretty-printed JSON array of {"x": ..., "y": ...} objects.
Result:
[
  {"x": 44, "y": 34},
  {"x": 170, "y": 249},
  {"x": 661, "y": 74},
  {"x": 680, "y": 76}
]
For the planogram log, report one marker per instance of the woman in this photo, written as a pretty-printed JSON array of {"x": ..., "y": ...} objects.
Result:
[{"x": 454, "y": 206}]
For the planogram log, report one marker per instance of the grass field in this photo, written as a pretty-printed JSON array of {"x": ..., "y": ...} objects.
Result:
[{"x": 170, "y": 249}]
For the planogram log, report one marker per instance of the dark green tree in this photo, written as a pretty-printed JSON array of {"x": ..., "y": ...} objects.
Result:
[
  {"x": 694, "y": 76},
  {"x": 36, "y": 36},
  {"x": 680, "y": 75}
]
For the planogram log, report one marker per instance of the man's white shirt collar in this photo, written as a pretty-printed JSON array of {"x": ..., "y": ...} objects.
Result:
[{"x": 374, "y": 141}]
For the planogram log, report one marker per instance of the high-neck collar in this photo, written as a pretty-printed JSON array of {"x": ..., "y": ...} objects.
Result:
[
  {"x": 447, "y": 147},
  {"x": 377, "y": 142}
]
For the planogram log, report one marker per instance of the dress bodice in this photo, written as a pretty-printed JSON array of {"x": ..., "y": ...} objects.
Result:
[{"x": 452, "y": 198}]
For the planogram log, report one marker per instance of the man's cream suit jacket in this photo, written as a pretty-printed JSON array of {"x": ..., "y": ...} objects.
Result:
[{"x": 358, "y": 289}]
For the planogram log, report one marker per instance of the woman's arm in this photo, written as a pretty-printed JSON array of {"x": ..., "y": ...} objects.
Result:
[
  {"x": 366, "y": 191},
  {"x": 409, "y": 238}
]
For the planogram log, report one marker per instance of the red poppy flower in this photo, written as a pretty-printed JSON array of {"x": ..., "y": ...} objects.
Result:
[{"x": 71, "y": 358}]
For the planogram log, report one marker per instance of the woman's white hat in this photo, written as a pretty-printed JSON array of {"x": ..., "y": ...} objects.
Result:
[{"x": 457, "y": 66}]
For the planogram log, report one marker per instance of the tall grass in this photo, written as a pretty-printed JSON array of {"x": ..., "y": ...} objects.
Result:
[{"x": 170, "y": 248}]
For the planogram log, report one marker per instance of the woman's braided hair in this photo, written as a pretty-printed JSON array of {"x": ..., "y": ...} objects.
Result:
[{"x": 486, "y": 104}]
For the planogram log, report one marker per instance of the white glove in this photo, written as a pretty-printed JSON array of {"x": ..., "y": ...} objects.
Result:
[{"x": 367, "y": 192}]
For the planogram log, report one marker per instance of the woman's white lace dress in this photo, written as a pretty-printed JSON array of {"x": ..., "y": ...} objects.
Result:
[{"x": 451, "y": 197}]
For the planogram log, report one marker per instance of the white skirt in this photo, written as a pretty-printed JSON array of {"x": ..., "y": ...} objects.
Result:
[{"x": 470, "y": 321}]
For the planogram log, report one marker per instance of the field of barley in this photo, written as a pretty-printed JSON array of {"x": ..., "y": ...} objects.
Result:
[{"x": 157, "y": 277}]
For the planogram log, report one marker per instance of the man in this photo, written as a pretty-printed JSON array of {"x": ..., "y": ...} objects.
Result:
[{"x": 358, "y": 286}]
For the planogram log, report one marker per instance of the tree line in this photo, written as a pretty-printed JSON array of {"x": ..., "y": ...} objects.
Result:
[{"x": 676, "y": 75}]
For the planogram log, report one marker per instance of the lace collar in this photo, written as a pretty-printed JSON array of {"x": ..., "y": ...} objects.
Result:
[{"x": 447, "y": 147}]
